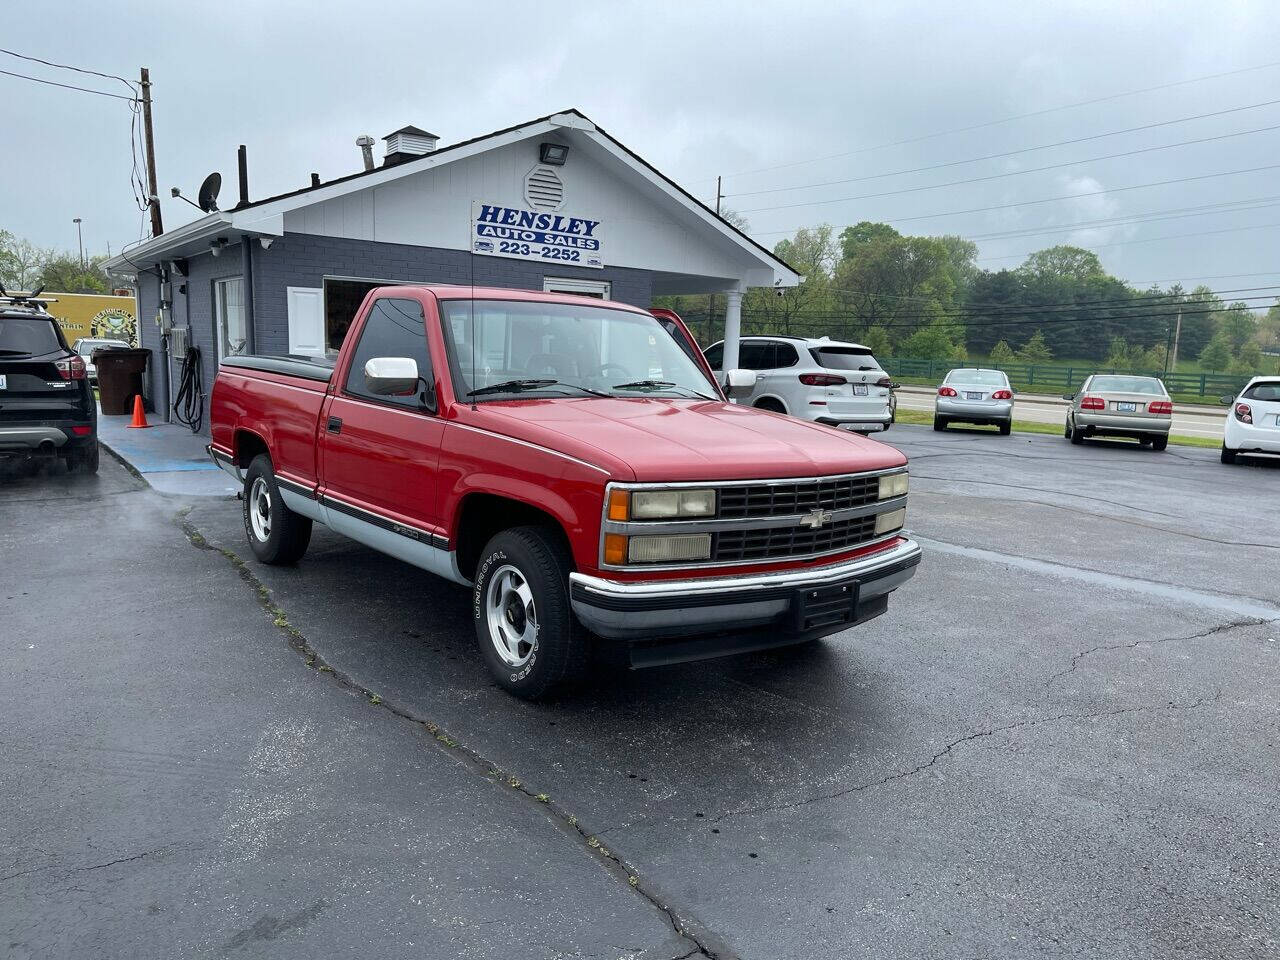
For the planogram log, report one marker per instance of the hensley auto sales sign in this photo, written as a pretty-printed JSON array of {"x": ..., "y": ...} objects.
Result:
[{"x": 499, "y": 231}]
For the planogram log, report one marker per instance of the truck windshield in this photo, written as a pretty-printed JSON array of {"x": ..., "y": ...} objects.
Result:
[{"x": 554, "y": 349}]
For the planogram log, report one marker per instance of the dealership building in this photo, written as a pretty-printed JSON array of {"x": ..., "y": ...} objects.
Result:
[{"x": 556, "y": 204}]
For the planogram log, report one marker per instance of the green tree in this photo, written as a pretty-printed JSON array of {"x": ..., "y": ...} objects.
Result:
[
  {"x": 852, "y": 239},
  {"x": 1216, "y": 356},
  {"x": 1118, "y": 354},
  {"x": 1248, "y": 361},
  {"x": 1238, "y": 323},
  {"x": 876, "y": 339},
  {"x": 1002, "y": 354},
  {"x": 933, "y": 342},
  {"x": 20, "y": 262},
  {"x": 812, "y": 252},
  {"x": 64, "y": 273},
  {"x": 1036, "y": 350}
]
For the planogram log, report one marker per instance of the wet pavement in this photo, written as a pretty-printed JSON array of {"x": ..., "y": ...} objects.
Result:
[{"x": 1060, "y": 741}]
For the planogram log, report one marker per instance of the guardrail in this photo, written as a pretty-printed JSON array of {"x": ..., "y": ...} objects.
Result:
[{"x": 1065, "y": 379}]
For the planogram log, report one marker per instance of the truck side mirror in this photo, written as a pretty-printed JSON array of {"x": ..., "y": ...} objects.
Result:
[
  {"x": 739, "y": 383},
  {"x": 391, "y": 376}
]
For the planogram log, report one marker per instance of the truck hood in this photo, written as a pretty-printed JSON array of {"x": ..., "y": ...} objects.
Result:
[{"x": 680, "y": 440}]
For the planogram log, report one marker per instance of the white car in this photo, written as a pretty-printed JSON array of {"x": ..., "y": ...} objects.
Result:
[
  {"x": 827, "y": 381},
  {"x": 1253, "y": 425},
  {"x": 85, "y": 347}
]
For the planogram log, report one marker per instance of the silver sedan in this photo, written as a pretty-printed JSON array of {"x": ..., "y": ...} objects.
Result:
[
  {"x": 973, "y": 395},
  {"x": 1121, "y": 406}
]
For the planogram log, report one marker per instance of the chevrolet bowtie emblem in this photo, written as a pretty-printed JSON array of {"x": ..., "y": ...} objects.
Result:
[{"x": 815, "y": 519}]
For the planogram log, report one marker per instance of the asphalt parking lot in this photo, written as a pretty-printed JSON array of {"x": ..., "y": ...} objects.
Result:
[{"x": 1060, "y": 741}]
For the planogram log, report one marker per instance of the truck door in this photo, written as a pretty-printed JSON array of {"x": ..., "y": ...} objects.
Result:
[{"x": 380, "y": 454}]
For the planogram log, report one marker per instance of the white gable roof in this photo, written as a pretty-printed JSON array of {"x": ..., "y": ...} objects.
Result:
[{"x": 729, "y": 252}]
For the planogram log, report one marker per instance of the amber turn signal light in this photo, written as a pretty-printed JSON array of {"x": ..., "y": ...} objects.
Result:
[
  {"x": 615, "y": 549},
  {"x": 619, "y": 502}
]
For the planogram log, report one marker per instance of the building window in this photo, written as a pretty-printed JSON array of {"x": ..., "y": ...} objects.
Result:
[
  {"x": 342, "y": 299},
  {"x": 598, "y": 289},
  {"x": 228, "y": 312}
]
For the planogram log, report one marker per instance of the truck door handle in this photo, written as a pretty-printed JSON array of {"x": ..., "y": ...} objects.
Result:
[{"x": 335, "y": 424}]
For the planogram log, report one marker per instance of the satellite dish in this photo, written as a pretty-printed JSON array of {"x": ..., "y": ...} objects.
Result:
[{"x": 209, "y": 192}]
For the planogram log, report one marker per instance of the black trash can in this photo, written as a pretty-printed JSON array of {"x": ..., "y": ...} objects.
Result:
[{"x": 119, "y": 378}]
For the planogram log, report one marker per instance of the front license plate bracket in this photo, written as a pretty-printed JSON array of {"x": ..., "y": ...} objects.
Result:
[{"x": 828, "y": 605}]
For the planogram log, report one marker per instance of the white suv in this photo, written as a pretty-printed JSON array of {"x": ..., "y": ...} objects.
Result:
[{"x": 828, "y": 381}]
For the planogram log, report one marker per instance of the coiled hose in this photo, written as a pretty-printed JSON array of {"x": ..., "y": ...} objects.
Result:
[{"x": 188, "y": 402}]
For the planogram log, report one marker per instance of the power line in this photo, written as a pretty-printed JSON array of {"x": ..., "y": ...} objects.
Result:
[
  {"x": 1013, "y": 173},
  {"x": 1008, "y": 153},
  {"x": 65, "y": 66},
  {"x": 1179, "y": 213},
  {"x": 1020, "y": 116},
  {"x": 66, "y": 86},
  {"x": 1070, "y": 196},
  {"x": 1125, "y": 243}
]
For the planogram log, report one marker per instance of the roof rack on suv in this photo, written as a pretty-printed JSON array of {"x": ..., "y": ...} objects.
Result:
[{"x": 25, "y": 299}]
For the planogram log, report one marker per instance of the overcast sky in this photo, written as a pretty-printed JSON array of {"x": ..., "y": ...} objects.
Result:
[{"x": 697, "y": 88}]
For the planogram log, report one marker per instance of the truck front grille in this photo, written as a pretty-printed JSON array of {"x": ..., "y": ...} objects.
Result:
[
  {"x": 774, "y": 499},
  {"x": 730, "y": 546}
]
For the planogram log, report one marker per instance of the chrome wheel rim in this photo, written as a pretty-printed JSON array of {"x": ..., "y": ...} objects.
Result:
[
  {"x": 512, "y": 617},
  {"x": 260, "y": 509}
]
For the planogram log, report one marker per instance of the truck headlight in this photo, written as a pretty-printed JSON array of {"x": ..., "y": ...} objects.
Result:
[
  {"x": 670, "y": 504},
  {"x": 893, "y": 485},
  {"x": 675, "y": 547},
  {"x": 890, "y": 520}
]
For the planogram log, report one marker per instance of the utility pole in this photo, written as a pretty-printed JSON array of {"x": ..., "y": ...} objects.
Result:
[
  {"x": 719, "y": 196},
  {"x": 711, "y": 310},
  {"x": 153, "y": 198},
  {"x": 80, "y": 238},
  {"x": 1177, "y": 335}
]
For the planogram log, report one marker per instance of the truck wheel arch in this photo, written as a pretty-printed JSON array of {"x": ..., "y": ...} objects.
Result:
[
  {"x": 481, "y": 515},
  {"x": 246, "y": 445}
]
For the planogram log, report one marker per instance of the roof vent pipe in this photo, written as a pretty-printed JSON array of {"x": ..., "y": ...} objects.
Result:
[
  {"x": 242, "y": 160},
  {"x": 365, "y": 143}
]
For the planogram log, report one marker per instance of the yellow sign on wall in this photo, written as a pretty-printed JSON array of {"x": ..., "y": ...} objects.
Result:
[{"x": 95, "y": 315}]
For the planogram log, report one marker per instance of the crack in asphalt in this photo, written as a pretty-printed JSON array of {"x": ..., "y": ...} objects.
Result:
[
  {"x": 1059, "y": 493},
  {"x": 1106, "y": 647},
  {"x": 95, "y": 866},
  {"x": 967, "y": 738},
  {"x": 614, "y": 863}
]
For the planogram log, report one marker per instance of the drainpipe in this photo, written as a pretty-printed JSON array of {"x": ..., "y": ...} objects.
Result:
[
  {"x": 251, "y": 339},
  {"x": 164, "y": 338}
]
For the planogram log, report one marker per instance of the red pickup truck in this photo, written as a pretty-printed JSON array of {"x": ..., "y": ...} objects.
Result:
[{"x": 576, "y": 463}]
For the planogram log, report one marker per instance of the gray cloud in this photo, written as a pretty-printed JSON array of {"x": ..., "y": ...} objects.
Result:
[{"x": 697, "y": 88}]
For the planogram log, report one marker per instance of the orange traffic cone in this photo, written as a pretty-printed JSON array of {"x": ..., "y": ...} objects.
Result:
[{"x": 139, "y": 415}]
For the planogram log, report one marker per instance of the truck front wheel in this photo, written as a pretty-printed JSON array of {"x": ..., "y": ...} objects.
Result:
[
  {"x": 276, "y": 534},
  {"x": 524, "y": 624}
]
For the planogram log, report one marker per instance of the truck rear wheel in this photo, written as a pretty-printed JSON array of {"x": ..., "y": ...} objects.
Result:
[
  {"x": 525, "y": 627},
  {"x": 276, "y": 534}
]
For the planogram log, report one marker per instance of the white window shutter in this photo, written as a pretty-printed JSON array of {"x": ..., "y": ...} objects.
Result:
[{"x": 306, "y": 321}]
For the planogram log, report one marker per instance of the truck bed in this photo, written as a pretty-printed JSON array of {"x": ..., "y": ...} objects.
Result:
[{"x": 278, "y": 399}]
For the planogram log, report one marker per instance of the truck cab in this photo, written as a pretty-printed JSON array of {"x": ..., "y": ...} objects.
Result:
[{"x": 577, "y": 466}]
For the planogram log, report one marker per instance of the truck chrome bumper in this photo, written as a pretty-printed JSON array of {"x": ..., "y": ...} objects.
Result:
[{"x": 780, "y": 607}]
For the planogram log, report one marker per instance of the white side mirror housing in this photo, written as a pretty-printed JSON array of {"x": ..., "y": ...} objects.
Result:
[
  {"x": 391, "y": 376},
  {"x": 739, "y": 383}
]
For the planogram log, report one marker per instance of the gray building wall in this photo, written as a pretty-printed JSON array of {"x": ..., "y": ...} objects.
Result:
[
  {"x": 192, "y": 308},
  {"x": 304, "y": 260}
]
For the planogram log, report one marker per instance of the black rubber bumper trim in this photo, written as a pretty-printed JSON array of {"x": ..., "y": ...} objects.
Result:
[{"x": 634, "y": 604}]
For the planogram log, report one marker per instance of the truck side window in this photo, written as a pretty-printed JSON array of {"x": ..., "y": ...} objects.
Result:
[{"x": 396, "y": 328}]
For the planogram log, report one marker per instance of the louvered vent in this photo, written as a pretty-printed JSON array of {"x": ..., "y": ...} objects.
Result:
[{"x": 543, "y": 189}]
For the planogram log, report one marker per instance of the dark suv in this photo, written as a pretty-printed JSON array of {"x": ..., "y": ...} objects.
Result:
[{"x": 47, "y": 407}]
